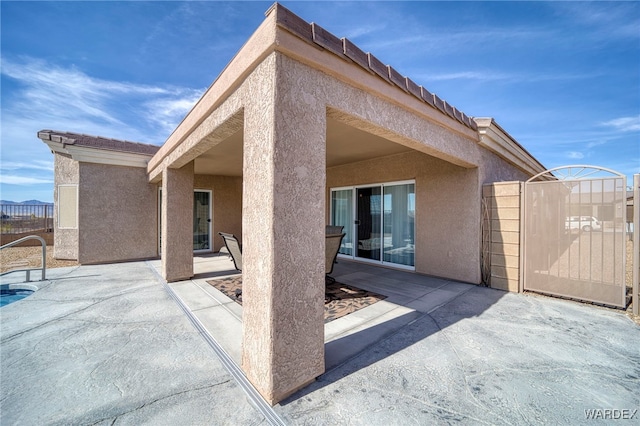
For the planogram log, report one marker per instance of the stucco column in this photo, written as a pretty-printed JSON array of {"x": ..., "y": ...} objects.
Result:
[
  {"x": 177, "y": 223},
  {"x": 283, "y": 236}
]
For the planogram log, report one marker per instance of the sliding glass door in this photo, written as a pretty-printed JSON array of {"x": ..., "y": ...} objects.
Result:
[
  {"x": 398, "y": 221},
  {"x": 368, "y": 222},
  {"x": 378, "y": 221},
  {"x": 342, "y": 215}
]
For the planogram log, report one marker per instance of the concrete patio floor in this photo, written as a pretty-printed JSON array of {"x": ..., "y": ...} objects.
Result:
[
  {"x": 408, "y": 296},
  {"x": 108, "y": 345}
]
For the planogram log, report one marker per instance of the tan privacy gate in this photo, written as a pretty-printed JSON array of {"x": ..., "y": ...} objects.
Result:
[{"x": 573, "y": 231}]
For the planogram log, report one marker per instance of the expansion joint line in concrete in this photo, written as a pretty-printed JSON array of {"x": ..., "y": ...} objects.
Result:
[{"x": 254, "y": 397}]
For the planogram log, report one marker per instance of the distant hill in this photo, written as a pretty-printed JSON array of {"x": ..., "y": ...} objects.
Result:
[
  {"x": 24, "y": 203},
  {"x": 11, "y": 210}
]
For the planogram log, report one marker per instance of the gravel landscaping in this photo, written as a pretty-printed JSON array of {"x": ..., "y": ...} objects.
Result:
[{"x": 29, "y": 257}]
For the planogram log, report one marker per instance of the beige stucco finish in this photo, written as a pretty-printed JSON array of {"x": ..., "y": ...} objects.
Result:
[
  {"x": 177, "y": 223},
  {"x": 283, "y": 234},
  {"x": 118, "y": 214},
  {"x": 65, "y": 241},
  {"x": 367, "y": 84},
  {"x": 447, "y": 209}
]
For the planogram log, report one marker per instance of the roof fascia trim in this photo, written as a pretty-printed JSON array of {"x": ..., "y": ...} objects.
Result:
[
  {"x": 100, "y": 156},
  {"x": 493, "y": 138},
  {"x": 291, "y": 45},
  {"x": 268, "y": 38},
  {"x": 343, "y": 48}
]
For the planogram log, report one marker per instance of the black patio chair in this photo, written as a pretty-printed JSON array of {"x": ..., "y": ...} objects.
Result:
[
  {"x": 333, "y": 229},
  {"x": 234, "y": 248},
  {"x": 331, "y": 248}
]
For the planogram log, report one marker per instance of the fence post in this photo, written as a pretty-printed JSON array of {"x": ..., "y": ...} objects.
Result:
[{"x": 636, "y": 245}]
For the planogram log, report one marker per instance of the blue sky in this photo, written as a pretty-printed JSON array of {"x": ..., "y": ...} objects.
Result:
[{"x": 563, "y": 78}]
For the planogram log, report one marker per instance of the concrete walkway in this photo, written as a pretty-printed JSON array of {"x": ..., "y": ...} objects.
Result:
[
  {"x": 107, "y": 345},
  {"x": 486, "y": 357}
]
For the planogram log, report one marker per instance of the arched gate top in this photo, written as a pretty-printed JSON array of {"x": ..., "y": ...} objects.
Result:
[{"x": 575, "y": 172}]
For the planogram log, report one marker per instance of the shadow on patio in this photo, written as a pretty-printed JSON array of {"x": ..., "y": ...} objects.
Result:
[{"x": 409, "y": 298}]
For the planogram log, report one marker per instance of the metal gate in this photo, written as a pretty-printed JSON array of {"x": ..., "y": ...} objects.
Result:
[{"x": 574, "y": 237}]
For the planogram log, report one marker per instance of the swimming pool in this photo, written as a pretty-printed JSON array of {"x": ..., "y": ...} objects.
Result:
[{"x": 13, "y": 294}]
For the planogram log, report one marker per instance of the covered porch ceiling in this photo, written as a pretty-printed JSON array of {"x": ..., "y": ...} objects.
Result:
[{"x": 345, "y": 144}]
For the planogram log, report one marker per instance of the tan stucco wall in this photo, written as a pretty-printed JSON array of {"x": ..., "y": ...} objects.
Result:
[
  {"x": 447, "y": 206},
  {"x": 447, "y": 209},
  {"x": 118, "y": 214},
  {"x": 283, "y": 232},
  {"x": 495, "y": 169},
  {"x": 503, "y": 207},
  {"x": 177, "y": 223},
  {"x": 227, "y": 204},
  {"x": 65, "y": 241}
]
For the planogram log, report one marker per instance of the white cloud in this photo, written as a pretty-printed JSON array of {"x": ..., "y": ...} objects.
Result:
[
  {"x": 35, "y": 165},
  {"x": 42, "y": 95},
  {"x": 470, "y": 75},
  {"x": 500, "y": 76},
  {"x": 624, "y": 124},
  {"x": 596, "y": 143},
  {"x": 355, "y": 32},
  {"x": 575, "y": 155},
  {"x": 51, "y": 96},
  {"x": 604, "y": 19},
  {"x": 60, "y": 92},
  {"x": 439, "y": 40},
  {"x": 166, "y": 112},
  {"x": 22, "y": 180}
]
